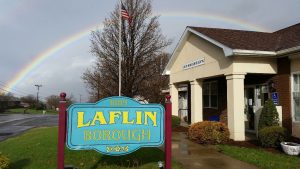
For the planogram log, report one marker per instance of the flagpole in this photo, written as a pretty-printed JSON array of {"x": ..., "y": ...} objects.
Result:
[{"x": 120, "y": 46}]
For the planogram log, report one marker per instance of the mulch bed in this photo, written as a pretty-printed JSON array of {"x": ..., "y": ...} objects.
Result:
[
  {"x": 180, "y": 129},
  {"x": 253, "y": 144},
  {"x": 256, "y": 144},
  {"x": 247, "y": 144}
]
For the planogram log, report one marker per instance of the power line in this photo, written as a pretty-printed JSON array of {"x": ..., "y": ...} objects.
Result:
[
  {"x": 18, "y": 91},
  {"x": 11, "y": 92}
]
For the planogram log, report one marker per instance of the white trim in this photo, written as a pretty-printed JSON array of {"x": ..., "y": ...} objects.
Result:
[
  {"x": 253, "y": 52},
  {"x": 176, "y": 52},
  {"x": 209, "y": 83},
  {"x": 292, "y": 99},
  {"x": 289, "y": 50},
  {"x": 227, "y": 51}
]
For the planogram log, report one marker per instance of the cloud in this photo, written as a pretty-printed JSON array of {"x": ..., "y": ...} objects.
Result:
[{"x": 39, "y": 25}]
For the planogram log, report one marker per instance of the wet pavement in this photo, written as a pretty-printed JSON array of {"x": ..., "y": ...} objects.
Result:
[
  {"x": 196, "y": 156},
  {"x": 14, "y": 124}
]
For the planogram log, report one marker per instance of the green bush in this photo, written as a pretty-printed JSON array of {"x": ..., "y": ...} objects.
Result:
[
  {"x": 209, "y": 132},
  {"x": 272, "y": 136},
  {"x": 3, "y": 162},
  {"x": 175, "y": 121},
  {"x": 268, "y": 116}
]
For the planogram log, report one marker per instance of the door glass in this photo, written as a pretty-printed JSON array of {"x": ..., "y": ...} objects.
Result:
[
  {"x": 264, "y": 94},
  {"x": 249, "y": 107},
  {"x": 258, "y": 96},
  {"x": 296, "y": 96}
]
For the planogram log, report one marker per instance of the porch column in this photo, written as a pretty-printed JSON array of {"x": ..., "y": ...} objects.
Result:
[
  {"x": 196, "y": 101},
  {"x": 235, "y": 105},
  {"x": 174, "y": 99}
]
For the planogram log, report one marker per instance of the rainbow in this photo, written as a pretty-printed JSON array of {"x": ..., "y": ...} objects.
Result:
[
  {"x": 214, "y": 18},
  {"x": 40, "y": 58}
]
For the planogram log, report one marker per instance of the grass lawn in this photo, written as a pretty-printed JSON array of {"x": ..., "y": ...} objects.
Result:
[
  {"x": 261, "y": 158},
  {"x": 31, "y": 111},
  {"x": 37, "y": 149}
]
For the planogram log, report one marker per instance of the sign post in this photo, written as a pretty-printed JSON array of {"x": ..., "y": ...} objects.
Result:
[
  {"x": 168, "y": 130},
  {"x": 61, "y": 131},
  {"x": 113, "y": 126}
]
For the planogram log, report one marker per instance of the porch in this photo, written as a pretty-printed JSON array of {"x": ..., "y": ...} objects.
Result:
[{"x": 241, "y": 95}]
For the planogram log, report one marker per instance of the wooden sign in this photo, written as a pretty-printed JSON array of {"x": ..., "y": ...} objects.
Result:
[{"x": 115, "y": 126}]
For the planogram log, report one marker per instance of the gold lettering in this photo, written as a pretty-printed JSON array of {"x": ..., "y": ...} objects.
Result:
[
  {"x": 116, "y": 103},
  {"x": 125, "y": 118},
  {"x": 147, "y": 134},
  {"x": 106, "y": 135},
  {"x": 97, "y": 136},
  {"x": 152, "y": 116},
  {"x": 113, "y": 115},
  {"x": 98, "y": 117},
  {"x": 87, "y": 135},
  {"x": 138, "y": 117},
  {"x": 80, "y": 121},
  {"x": 113, "y": 135},
  {"x": 124, "y": 135},
  {"x": 134, "y": 136}
]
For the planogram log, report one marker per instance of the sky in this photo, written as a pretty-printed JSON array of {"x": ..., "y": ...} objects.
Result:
[{"x": 48, "y": 42}]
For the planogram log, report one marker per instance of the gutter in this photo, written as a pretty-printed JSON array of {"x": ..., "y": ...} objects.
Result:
[
  {"x": 289, "y": 50},
  {"x": 252, "y": 52}
]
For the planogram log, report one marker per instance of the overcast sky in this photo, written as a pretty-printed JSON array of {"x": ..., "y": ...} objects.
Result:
[{"x": 29, "y": 28}]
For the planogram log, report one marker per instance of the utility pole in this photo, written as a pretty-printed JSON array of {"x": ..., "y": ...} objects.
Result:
[
  {"x": 79, "y": 98},
  {"x": 37, "y": 94}
]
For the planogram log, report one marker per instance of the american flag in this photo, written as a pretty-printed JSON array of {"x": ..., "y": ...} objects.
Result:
[{"x": 125, "y": 14}]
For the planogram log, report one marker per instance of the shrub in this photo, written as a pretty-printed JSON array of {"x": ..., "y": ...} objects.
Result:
[
  {"x": 3, "y": 162},
  {"x": 175, "y": 121},
  {"x": 272, "y": 136},
  {"x": 268, "y": 116},
  {"x": 209, "y": 132}
]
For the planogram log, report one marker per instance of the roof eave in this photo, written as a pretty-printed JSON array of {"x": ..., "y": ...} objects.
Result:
[
  {"x": 258, "y": 53},
  {"x": 227, "y": 51},
  {"x": 175, "y": 52},
  {"x": 289, "y": 50}
]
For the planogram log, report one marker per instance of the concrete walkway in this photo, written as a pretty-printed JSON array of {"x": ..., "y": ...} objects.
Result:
[{"x": 196, "y": 156}]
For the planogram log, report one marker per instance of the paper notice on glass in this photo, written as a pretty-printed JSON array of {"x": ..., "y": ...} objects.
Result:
[{"x": 250, "y": 102}]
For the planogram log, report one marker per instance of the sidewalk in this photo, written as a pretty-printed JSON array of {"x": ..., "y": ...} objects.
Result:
[{"x": 196, "y": 156}]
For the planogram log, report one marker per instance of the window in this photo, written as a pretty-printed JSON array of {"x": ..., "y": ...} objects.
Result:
[
  {"x": 296, "y": 96},
  {"x": 210, "y": 94}
]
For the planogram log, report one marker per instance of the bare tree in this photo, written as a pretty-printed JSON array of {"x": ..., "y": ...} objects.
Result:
[
  {"x": 53, "y": 101},
  {"x": 7, "y": 97},
  {"x": 30, "y": 100},
  {"x": 142, "y": 43},
  {"x": 153, "y": 86},
  {"x": 92, "y": 78}
]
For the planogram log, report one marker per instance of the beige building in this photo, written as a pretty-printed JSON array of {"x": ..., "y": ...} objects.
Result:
[{"x": 229, "y": 74}]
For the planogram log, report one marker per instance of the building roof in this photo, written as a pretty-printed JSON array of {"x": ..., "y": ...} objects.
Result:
[
  {"x": 249, "y": 40},
  {"x": 244, "y": 43}
]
